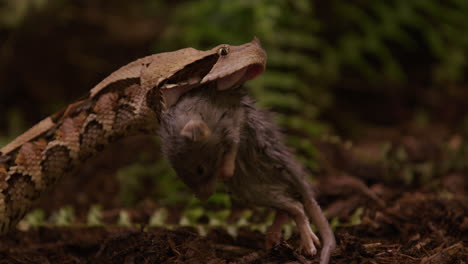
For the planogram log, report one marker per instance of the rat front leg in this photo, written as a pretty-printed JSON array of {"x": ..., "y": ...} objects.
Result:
[
  {"x": 308, "y": 237},
  {"x": 232, "y": 139},
  {"x": 227, "y": 167},
  {"x": 273, "y": 234}
]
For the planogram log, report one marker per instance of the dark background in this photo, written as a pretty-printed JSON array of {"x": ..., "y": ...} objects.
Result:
[
  {"x": 373, "y": 90},
  {"x": 335, "y": 65}
]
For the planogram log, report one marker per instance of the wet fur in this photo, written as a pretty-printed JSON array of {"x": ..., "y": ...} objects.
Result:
[{"x": 266, "y": 173}]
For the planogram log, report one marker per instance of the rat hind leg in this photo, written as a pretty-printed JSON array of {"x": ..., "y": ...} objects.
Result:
[
  {"x": 308, "y": 238},
  {"x": 273, "y": 234},
  {"x": 320, "y": 221}
]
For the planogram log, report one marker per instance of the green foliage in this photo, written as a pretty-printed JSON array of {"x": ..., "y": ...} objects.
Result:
[
  {"x": 402, "y": 169},
  {"x": 312, "y": 45},
  {"x": 159, "y": 217},
  {"x": 135, "y": 177},
  {"x": 335, "y": 223},
  {"x": 372, "y": 37},
  {"x": 356, "y": 217},
  {"x": 218, "y": 218},
  {"x": 191, "y": 216},
  {"x": 456, "y": 153},
  {"x": 124, "y": 219},
  {"x": 35, "y": 218},
  {"x": 65, "y": 216},
  {"x": 219, "y": 199},
  {"x": 95, "y": 216},
  {"x": 287, "y": 30},
  {"x": 14, "y": 12}
]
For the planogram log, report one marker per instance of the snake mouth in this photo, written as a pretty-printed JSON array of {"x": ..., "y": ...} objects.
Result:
[
  {"x": 170, "y": 94},
  {"x": 243, "y": 63},
  {"x": 236, "y": 78},
  {"x": 254, "y": 71}
]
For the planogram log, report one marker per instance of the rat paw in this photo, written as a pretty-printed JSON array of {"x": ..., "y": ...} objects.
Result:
[
  {"x": 308, "y": 248},
  {"x": 309, "y": 241},
  {"x": 316, "y": 240}
]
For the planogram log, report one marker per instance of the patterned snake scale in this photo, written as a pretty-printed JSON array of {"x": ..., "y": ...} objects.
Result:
[{"x": 125, "y": 103}]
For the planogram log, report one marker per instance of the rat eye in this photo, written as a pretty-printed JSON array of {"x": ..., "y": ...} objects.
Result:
[
  {"x": 200, "y": 170},
  {"x": 223, "y": 51}
]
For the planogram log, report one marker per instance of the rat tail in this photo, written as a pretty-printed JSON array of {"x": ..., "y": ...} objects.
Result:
[{"x": 320, "y": 221}]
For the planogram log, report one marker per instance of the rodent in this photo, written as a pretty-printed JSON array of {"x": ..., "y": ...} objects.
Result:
[{"x": 212, "y": 135}]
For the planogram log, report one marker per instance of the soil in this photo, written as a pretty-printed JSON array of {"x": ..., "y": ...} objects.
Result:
[{"x": 381, "y": 221}]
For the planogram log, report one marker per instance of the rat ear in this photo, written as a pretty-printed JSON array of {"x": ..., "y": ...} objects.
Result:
[{"x": 196, "y": 130}]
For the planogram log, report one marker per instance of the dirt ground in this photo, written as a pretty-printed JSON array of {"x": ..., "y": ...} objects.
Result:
[
  {"x": 431, "y": 232},
  {"x": 424, "y": 221}
]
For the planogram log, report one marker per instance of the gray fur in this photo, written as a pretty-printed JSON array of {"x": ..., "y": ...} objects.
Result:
[{"x": 266, "y": 173}]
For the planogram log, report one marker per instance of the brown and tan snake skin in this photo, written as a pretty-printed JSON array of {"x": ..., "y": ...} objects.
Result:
[{"x": 127, "y": 102}]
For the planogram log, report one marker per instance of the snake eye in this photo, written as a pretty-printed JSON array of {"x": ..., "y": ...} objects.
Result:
[{"x": 223, "y": 51}]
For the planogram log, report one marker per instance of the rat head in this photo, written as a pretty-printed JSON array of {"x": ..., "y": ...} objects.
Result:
[
  {"x": 198, "y": 135},
  {"x": 195, "y": 154}
]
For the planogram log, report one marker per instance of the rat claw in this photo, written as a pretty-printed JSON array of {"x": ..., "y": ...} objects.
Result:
[
  {"x": 308, "y": 249},
  {"x": 316, "y": 240},
  {"x": 308, "y": 242}
]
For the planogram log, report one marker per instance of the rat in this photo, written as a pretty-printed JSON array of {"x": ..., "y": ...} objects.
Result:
[{"x": 212, "y": 135}]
